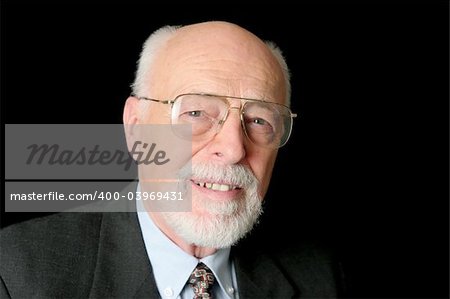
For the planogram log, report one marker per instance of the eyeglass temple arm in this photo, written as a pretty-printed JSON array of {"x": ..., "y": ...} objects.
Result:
[{"x": 153, "y": 100}]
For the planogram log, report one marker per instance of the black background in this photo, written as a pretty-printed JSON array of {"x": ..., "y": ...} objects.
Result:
[{"x": 367, "y": 166}]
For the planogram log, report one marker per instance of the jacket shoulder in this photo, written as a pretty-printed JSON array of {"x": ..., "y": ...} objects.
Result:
[
  {"x": 316, "y": 266},
  {"x": 56, "y": 253},
  {"x": 313, "y": 269}
]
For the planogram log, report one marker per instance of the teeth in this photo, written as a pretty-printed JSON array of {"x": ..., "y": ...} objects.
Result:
[
  {"x": 220, "y": 187},
  {"x": 216, "y": 187}
]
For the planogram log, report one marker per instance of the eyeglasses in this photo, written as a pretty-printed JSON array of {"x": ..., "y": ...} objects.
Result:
[{"x": 266, "y": 124}]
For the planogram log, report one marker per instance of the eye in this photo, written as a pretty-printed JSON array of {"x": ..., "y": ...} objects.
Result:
[
  {"x": 196, "y": 113},
  {"x": 260, "y": 121},
  {"x": 194, "y": 116},
  {"x": 259, "y": 125}
]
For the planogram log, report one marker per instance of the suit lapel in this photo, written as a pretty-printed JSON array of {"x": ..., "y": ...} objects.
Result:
[
  {"x": 123, "y": 268},
  {"x": 258, "y": 276}
]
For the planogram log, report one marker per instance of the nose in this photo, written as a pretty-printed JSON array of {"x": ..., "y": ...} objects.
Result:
[{"x": 228, "y": 144}]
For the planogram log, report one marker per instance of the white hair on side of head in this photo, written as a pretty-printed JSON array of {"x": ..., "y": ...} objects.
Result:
[
  {"x": 276, "y": 51},
  {"x": 154, "y": 43}
]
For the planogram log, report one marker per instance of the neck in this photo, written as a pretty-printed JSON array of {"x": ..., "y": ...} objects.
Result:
[{"x": 192, "y": 249}]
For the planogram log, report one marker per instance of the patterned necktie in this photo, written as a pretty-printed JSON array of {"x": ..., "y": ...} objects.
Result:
[{"x": 202, "y": 280}]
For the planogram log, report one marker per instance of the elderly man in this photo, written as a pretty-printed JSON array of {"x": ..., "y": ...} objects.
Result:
[{"x": 233, "y": 90}]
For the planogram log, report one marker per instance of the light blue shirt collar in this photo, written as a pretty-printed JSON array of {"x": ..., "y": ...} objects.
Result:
[{"x": 172, "y": 266}]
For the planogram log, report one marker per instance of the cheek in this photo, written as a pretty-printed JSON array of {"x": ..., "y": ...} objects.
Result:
[{"x": 262, "y": 166}]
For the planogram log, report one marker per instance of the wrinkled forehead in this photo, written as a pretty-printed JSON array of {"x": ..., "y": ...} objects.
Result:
[{"x": 219, "y": 56}]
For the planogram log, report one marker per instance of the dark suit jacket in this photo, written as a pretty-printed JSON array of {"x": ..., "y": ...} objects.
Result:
[{"x": 102, "y": 255}]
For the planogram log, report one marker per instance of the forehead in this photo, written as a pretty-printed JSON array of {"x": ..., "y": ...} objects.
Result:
[{"x": 228, "y": 61}]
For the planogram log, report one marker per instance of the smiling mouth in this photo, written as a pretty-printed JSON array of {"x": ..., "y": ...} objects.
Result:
[{"x": 216, "y": 186}]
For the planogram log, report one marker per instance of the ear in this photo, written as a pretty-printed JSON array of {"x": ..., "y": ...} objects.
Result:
[
  {"x": 130, "y": 111},
  {"x": 130, "y": 119}
]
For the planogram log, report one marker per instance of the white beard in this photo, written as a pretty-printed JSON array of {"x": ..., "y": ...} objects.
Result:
[{"x": 220, "y": 224}]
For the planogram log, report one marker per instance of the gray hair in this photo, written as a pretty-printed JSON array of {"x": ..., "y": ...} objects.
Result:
[{"x": 158, "y": 39}]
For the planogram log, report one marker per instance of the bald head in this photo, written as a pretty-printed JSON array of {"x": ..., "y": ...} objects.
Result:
[{"x": 212, "y": 57}]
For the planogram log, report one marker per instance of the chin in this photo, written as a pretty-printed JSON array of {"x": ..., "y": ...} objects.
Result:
[{"x": 218, "y": 224}]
